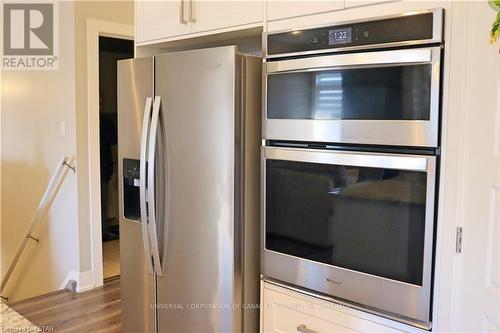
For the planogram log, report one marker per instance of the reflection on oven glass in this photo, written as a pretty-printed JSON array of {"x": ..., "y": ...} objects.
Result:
[
  {"x": 327, "y": 103},
  {"x": 380, "y": 93},
  {"x": 369, "y": 220}
]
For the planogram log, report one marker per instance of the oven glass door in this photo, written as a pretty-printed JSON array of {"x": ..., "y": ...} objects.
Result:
[
  {"x": 355, "y": 98},
  {"x": 367, "y": 214}
]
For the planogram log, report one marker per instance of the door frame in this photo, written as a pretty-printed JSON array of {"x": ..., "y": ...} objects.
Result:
[{"x": 96, "y": 29}]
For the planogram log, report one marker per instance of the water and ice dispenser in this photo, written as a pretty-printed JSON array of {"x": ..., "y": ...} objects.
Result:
[{"x": 131, "y": 200}]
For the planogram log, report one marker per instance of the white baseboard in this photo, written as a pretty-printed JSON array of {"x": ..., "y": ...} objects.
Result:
[
  {"x": 85, "y": 281},
  {"x": 72, "y": 275}
]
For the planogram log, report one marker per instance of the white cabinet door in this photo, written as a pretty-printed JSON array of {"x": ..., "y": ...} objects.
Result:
[
  {"x": 159, "y": 19},
  {"x": 474, "y": 95},
  {"x": 285, "y": 9},
  {"x": 212, "y": 15},
  {"x": 358, "y": 3}
]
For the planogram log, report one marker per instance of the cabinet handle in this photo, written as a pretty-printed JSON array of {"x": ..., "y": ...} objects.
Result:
[
  {"x": 183, "y": 15},
  {"x": 303, "y": 329},
  {"x": 191, "y": 17}
]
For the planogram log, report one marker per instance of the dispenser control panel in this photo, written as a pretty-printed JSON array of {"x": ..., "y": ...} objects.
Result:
[{"x": 131, "y": 195}]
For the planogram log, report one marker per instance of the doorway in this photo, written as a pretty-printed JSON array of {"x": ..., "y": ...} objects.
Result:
[{"x": 111, "y": 50}]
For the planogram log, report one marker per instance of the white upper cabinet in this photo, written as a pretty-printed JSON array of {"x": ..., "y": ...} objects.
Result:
[
  {"x": 161, "y": 19},
  {"x": 357, "y": 3},
  {"x": 172, "y": 18},
  {"x": 277, "y": 10},
  {"x": 212, "y": 15}
]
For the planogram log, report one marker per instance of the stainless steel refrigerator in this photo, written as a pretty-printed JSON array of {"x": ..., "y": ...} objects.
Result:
[{"x": 188, "y": 141}]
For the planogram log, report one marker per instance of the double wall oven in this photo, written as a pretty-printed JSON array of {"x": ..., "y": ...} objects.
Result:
[{"x": 349, "y": 161}]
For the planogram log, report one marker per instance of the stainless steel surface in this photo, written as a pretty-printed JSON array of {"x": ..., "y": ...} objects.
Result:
[
  {"x": 143, "y": 185},
  {"x": 203, "y": 158},
  {"x": 303, "y": 329},
  {"x": 407, "y": 300},
  {"x": 239, "y": 170},
  {"x": 161, "y": 179},
  {"x": 250, "y": 113},
  {"x": 386, "y": 161},
  {"x": 437, "y": 34},
  {"x": 202, "y": 263},
  {"x": 151, "y": 188},
  {"x": 201, "y": 191},
  {"x": 382, "y": 132},
  {"x": 135, "y": 84},
  {"x": 394, "y": 57},
  {"x": 339, "y": 302}
]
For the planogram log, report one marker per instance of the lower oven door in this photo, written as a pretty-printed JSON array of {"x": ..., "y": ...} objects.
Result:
[{"x": 356, "y": 226}]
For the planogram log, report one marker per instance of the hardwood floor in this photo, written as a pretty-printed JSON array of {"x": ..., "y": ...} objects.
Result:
[
  {"x": 111, "y": 258},
  {"x": 96, "y": 310}
]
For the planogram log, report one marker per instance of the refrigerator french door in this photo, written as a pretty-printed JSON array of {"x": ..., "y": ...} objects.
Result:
[{"x": 189, "y": 127}]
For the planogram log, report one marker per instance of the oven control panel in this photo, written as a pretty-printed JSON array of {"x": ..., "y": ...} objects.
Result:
[{"x": 402, "y": 28}]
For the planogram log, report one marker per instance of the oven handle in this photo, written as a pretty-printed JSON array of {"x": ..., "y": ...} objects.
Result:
[
  {"x": 381, "y": 58},
  {"x": 361, "y": 159}
]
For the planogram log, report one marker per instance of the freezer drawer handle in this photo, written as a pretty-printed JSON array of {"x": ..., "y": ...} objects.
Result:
[
  {"x": 142, "y": 183},
  {"x": 303, "y": 329}
]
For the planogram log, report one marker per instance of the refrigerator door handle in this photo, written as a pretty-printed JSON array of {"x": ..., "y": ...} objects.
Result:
[
  {"x": 142, "y": 183},
  {"x": 151, "y": 185}
]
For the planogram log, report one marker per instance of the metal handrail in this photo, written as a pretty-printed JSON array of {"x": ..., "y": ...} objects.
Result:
[{"x": 65, "y": 161}]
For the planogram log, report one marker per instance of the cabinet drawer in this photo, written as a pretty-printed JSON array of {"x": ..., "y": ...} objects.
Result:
[
  {"x": 289, "y": 320},
  {"x": 285, "y": 310}
]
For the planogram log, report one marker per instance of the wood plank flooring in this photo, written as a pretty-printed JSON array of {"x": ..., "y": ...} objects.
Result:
[
  {"x": 97, "y": 310},
  {"x": 111, "y": 258}
]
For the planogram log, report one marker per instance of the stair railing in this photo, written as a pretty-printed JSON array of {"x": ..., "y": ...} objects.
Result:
[{"x": 52, "y": 186}]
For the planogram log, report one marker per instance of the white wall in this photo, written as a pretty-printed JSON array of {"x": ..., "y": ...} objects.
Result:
[
  {"x": 111, "y": 11},
  {"x": 32, "y": 105},
  {"x": 469, "y": 296}
]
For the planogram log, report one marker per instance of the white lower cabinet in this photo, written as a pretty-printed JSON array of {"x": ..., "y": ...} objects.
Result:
[{"x": 286, "y": 311}]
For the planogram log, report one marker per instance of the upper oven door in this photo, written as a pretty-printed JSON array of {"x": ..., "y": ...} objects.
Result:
[{"x": 383, "y": 98}]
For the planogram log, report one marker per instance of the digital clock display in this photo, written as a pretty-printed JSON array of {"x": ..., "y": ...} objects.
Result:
[{"x": 340, "y": 36}]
